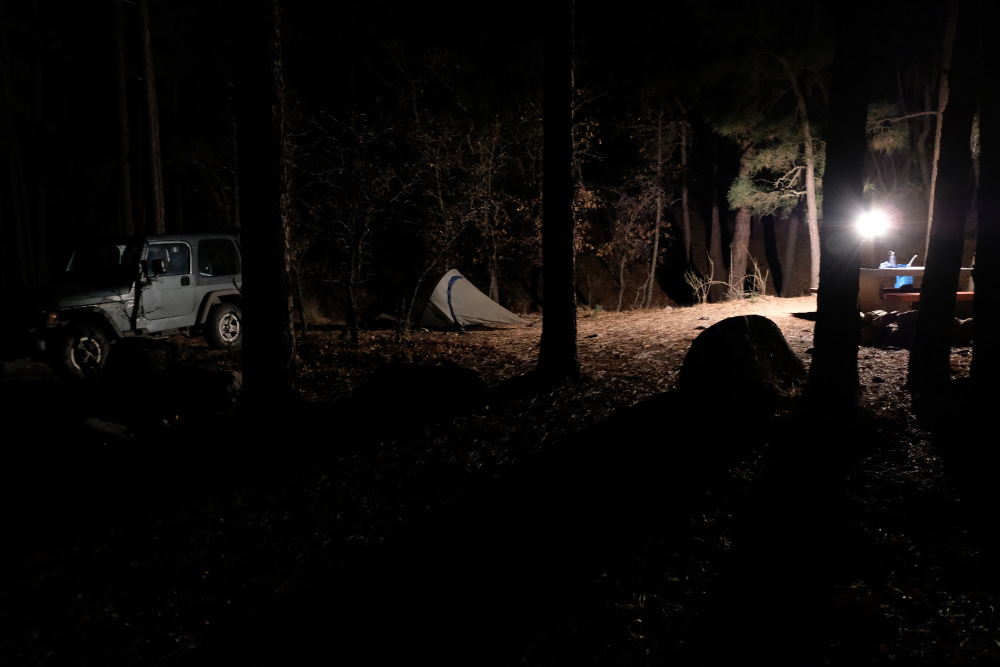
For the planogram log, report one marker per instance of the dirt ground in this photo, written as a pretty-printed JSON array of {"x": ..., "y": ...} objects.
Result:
[
  {"x": 644, "y": 348},
  {"x": 633, "y": 353},
  {"x": 188, "y": 538}
]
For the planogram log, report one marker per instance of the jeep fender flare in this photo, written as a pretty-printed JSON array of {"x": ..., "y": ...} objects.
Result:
[
  {"x": 94, "y": 317},
  {"x": 213, "y": 299}
]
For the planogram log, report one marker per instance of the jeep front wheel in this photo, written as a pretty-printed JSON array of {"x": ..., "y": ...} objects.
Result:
[
  {"x": 81, "y": 352},
  {"x": 224, "y": 327}
]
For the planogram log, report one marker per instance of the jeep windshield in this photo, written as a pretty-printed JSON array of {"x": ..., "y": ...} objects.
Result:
[{"x": 103, "y": 262}]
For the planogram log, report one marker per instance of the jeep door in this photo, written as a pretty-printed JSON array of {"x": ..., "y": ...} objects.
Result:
[{"x": 168, "y": 296}]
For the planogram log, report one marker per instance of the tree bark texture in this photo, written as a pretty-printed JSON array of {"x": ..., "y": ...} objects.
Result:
[
  {"x": 833, "y": 375},
  {"x": 739, "y": 248},
  {"x": 558, "y": 359},
  {"x": 809, "y": 155}
]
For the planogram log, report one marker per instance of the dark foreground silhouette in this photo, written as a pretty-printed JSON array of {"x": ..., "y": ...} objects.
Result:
[{"x": 516, "y": 570}]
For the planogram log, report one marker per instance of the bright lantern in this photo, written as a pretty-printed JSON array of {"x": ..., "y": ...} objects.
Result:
[{"x": 872, "y": 224}]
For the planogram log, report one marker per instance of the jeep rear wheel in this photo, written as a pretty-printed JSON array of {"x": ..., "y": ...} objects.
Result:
[
  {"x": 224, "y": 327},
  {"x": 81, "y": 352}
]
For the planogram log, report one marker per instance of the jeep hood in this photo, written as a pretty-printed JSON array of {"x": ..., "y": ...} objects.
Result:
[{"x": 75, "y": 295}]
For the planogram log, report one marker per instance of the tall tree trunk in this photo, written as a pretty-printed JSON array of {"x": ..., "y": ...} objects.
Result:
[
  {"x": 950, "y": 26},
  {"x": 717, "y": 262},
  {"x": 833, "y": 375},
  {"x": 299, "y": 300},
  {"x": 492, "y": 262},
  {"x": 352, "y": 324},
  {"x": 153, "y": 119},
  {"x": 655, "y": 259},
  {"x": 494, "y": 278},
  {"x": 923, "y": 159},
  {"x": 739, "y": 248},
  {"x": 986, "y": 306},
  {"x": 809, "y": 155},
  {"x": 685, "y": 132},
  {"x": 658, "y": 216},
  {"x": 15, "y": 211},
  {"x": 124, "y": 145},
  {"x": 558, "y": 360},
  {"x": 930, "y": 356},
  {"x": 769, "y": 225},
  {"x": 788, "y": 265},
  {"x": 812, "y": 214},
  {"x": 621, "y": 284},
  {"x": 269, "y": 360}
]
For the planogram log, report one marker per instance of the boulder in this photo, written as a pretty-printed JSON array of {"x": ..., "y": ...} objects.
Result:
[{"x": 742, "y": 360}]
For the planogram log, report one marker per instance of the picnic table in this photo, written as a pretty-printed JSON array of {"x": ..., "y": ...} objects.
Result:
[{"x": 877, "y": 288}]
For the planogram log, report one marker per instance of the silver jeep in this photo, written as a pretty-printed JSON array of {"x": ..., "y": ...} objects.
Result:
[{"x": 149, "y": 286}]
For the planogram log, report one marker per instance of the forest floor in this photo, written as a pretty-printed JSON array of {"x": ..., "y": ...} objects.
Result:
[{"x": 564, "y": 526}]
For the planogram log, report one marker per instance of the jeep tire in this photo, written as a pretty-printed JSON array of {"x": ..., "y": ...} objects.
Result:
[
  {"x": 224, "y": 328},
  {"x": 81, "y": 352}
]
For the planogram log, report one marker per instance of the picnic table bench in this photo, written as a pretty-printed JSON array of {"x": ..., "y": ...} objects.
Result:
[{"x": 893, "y": 295}]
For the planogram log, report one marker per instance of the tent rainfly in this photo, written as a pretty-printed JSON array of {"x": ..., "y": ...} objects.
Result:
[{"x": 455, "y": 302}]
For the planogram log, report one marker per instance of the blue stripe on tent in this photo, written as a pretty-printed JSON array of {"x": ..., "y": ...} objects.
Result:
[{"x": 451, "y": 307}]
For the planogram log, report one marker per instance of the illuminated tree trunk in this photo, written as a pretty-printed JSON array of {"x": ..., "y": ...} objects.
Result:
[
  {"x": 812, "y": 208},
  {"x": 739, "y": 248},
  {"x": 809, "y": 157}
]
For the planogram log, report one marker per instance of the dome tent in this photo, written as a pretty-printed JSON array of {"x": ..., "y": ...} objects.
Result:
[{"x": 456, "y": 302}]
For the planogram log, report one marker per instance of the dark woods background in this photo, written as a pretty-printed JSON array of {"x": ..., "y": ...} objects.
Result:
[{"x": 414, "y": 139}]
